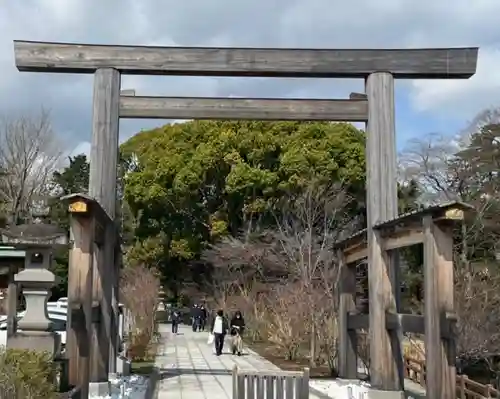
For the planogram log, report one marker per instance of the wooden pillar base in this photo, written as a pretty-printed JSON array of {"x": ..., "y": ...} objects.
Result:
[
  {"x": 80, "y": 271},
  {"x": 438, "y": 299},
  {"x": 89, "y": 295},
  {"x": 348, "y": 358}
]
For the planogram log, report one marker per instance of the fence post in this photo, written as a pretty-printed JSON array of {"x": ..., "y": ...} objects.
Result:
[
  {"x": 406, "y": 369},
  {"x": 462, "y": 377},
  {"x": 305, "y": 385},
  {"x": 424, "y": 373},
  {"x": 235, "y": 381}
]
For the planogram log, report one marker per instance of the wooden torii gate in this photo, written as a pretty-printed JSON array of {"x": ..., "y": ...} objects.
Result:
[{"x": 379, "y": 68}]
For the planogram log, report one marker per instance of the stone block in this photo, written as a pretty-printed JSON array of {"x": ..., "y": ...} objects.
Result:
[
  {"x": 378, "y": 394},
  {"x": 99, "y": 389},
  {"x": 123, "y": 365},
  {"x": 43, "y": 341},
  {"x": 356, "y": 389}
]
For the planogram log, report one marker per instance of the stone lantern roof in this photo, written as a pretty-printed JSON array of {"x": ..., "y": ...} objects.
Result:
[
  {"x": 33, "y": 234},
  {"x": 38, "y": 233}
]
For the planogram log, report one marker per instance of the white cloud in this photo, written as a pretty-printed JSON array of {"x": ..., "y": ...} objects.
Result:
[
  {"x": 81, "y": 148},
  {"x": 462, "y": 97},
  {"x": 273, "y": 23}
]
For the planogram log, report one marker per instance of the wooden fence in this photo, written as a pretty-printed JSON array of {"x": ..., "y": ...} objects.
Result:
[
  {"x": 466, "y": 388},
  {"x": 270, "y": 384}
]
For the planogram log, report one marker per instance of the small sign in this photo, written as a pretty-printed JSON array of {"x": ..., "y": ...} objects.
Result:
[
  {"x": 454, "y": 214},
  {"x": 78, "y": 207}
]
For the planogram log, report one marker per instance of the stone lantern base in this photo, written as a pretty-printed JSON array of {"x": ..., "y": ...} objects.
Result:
[
  {"x": 100, "y": 389},
  {"x": 42, "y": 341}
]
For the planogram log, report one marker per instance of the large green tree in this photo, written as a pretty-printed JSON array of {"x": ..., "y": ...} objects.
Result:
[{"x": 190, "y": 183}]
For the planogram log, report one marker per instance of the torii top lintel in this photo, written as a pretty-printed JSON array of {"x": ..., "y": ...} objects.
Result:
[{"x": 433, "y": 63}]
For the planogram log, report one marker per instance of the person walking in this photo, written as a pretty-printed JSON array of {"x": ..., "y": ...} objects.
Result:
[
  {"x": 195, "y": 315},
  {"x": 219, "y": 329},
  {"x": 237, "y": 326},
  {"x": 176, "y": 318},
  {"x": 203, "y": 320}
]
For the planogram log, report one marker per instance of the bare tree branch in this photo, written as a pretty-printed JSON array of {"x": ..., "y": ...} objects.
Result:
[
  {"x": 478, "y": 309},
  {"x": 490, "y": 116},
  {"x": 427, "y": 162},
  {"x": 29, "y": 154},
  {"x": 295, "y": 260}
]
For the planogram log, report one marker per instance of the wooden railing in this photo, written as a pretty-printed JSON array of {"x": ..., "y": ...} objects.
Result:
[
  {"x": 466, "y": 388},
  {"x": 270, "y": 384},
  {"x": 414, "y": 370}
]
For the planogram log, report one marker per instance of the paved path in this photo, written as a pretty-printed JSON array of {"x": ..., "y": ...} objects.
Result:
[{"x": 189, "y": 368}]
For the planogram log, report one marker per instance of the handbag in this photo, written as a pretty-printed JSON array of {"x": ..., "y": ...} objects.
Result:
[{"x": 210, "y": 339}]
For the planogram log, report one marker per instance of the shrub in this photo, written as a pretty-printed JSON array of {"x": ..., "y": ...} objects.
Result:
[
  {"x": 141, "y": 346},
  {"x": 139, "y": 289},
  {"x": 328, "y": 334},
  {"x": 27, "y": 374},
  {"x": 286, "y": 314},
  {"x": 253, "y": 305}
]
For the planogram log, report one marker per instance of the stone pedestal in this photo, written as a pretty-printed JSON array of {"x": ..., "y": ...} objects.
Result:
[
  {"x": 377, "y": 394},
  {"x": 99, "y": 389},
  {"x": 43, "y": 341},
  {"x": 356, "y": 389},
  {"x": 35, "y": 282},
  {"x": 123, "y": 366}
]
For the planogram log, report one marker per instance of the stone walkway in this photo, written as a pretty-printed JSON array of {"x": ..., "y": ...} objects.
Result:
[{"x": 189, "y": 368}]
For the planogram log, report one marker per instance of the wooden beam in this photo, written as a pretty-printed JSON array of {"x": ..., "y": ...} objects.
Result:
[
  {"x": 105, "y": 139},
  {"x": 102, "y": 187},
  {"x": 348, "y": 360},
  {"x": 118, "y": 262},
  {"x": 439, "y": 63},
  {"x": 100, "y": 341},
  {"x": 438, "y": 300},
  {"x": 80, "y": 274},
  {"x": 382, "y": 205},
  {"x": 411, "y": 323},
  {"x": 358, "y": 96},
  {"x": 112, "y": 284},
  {"x": 444, "y": 213},
  {"x": 408, "y": 323},
  {"x": 357, "y": 255},
  {"x": 243, "y": 108},
  {"x": 128, "y": 93},
  {"x": 404, "y": 237},
  {"x": 432, "y": 330}
]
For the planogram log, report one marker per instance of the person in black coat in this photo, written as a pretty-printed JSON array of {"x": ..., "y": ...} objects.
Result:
[
  {"x": 204, "y": 315},
  {"x": 196, "y": 317},
  {"x": 237, "y": 326},
  {"x": 176, "y": 319}
]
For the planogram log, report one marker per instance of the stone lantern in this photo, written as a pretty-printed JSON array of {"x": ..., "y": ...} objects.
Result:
[{"x": 37, "y": 239}]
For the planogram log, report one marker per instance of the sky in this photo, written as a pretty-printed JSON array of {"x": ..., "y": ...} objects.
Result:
[{"x": 422, "y": 107}]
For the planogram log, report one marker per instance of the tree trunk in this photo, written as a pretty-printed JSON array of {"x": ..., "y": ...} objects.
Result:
[{"x": 312, "y": 347}]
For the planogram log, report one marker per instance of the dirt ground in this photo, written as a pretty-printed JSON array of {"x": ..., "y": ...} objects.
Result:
[{"x": 266, "y": 352}]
